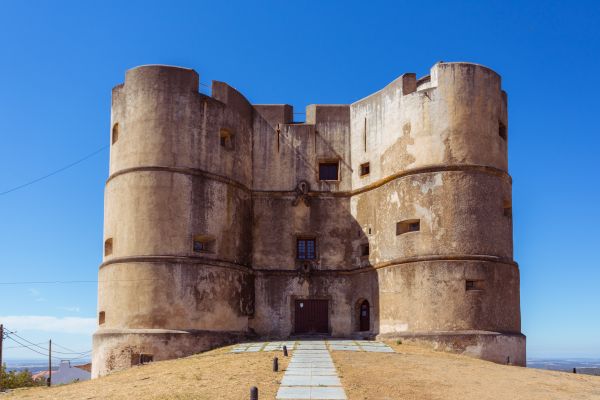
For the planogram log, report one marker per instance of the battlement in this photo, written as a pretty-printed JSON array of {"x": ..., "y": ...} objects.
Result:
[{"x": 392, "y": 214}]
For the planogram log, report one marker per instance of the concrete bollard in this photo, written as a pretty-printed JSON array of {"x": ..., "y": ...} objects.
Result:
[
  {"x": 253, "y": 393},
  {"x": 285, "y": 353},
  {"x": 574, "y": 370},
  {"x": 275, "y": 364},
  {"x": 508, "y": 360}
]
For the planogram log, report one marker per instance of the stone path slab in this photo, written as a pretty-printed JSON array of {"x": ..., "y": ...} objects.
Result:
[
  {"x": 311, "y": 392},
  {"x": 311, "y": 374},
  {"x": 315, "y": 345}
]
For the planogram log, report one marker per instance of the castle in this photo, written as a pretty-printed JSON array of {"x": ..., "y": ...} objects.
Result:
[{"x": 389, "y": 217}]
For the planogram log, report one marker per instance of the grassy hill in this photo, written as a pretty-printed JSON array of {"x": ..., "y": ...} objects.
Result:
[{"x": 411, "y": 373}]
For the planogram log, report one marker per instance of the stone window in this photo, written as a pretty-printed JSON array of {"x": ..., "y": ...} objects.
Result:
[
  {"x": 108, "y": 247},
  {"x": 409, "y": 225},
  {"x": 203, "y": 244},
  {"x": 502, "y": 130},
  {"x": 101, "y": 317},
  {"x": 138, "y": 358},
  {"x": 473, "y": 285},
  {"x": 226, "y": 139},
  {"x": 364, "y": 250},
  {"x": 306, "y": 249},
  {"x": 365, "y": 169},
  {"x": 115, "y": 133},
  {"x": 329, "y": 171},
  {"x": 507, "y": 208}
]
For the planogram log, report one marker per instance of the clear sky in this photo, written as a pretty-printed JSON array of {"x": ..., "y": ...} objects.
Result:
[{"x": 59, "y": 61}]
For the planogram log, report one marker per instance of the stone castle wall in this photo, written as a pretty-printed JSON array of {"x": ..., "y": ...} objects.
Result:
[{"x": 186, "y": 167}]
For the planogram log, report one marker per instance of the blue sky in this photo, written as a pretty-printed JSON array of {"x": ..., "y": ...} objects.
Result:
[{"x": 59, "y": 61}]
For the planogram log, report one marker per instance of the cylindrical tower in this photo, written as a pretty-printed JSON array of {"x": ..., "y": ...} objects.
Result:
[
  {"x": 446, "y": 273},
  {"x": 174, "y": 280}
]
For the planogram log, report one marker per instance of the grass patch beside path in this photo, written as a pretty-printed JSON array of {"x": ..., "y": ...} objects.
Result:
[
  {"x": 418, "y": 373},
  {"x": 217, "y": 374}
]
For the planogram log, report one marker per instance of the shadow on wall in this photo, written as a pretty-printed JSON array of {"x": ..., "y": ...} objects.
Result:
[{"x": 311, "y": 257}]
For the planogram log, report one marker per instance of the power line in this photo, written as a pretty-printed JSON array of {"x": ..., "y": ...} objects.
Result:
[
  {"x": 18, "y": 347},
  {"x": 34, "y": 350},
  {"x": 54, "y": 172},
  {"x": 68, "y": 282},
  {"x": 10, "y": 336},
  {"x": 70, "y": 350},
  {"x": 43, "y": 282},
  {"x": 45, "y": 349}
]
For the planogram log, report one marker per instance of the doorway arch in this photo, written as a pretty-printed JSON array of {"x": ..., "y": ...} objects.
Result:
[{"x": 364, "y": 316}]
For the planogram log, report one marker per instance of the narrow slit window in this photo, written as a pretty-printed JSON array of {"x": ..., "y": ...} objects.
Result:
[
  {"x": 108, "y": 247},
  {"x": 502, "y": 130},
  {"x": 306, "y": 249},
  {"x": 101, "y": 317},
  {"x": 473, "y": 285},
  {"x": 203, "y": 244},
  {"x": 115, "y": 133},
  {"x": 409, "y": 225},
  {"x": 365, "y": 169},
  {"x": 329, "y": 171},
  {"x": 226, "y": 139},
  {"x": 365, "y": 137}
]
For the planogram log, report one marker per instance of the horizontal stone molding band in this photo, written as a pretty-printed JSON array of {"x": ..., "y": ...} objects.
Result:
[
  {"x": 392, "y": 263},
  {"x": 268, "y": 193},
  {"x": 177, "y": 259},
  {"x": 448, "y": 333},
  {"x": 150, "y": 331},
  {"x": 183, "y": 171},
  {"x": 241, "y": 267}
]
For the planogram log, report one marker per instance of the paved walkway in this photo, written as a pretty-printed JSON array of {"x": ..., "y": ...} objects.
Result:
[
  {"x": 311, "y": 373},
  {"x": 335, "y": 345}
]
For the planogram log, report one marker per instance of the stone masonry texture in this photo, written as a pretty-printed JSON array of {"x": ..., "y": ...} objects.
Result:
[{"x": 209, "y": 197}]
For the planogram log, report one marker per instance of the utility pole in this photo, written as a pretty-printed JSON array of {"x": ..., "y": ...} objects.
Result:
[
  {"x": 1, "y": 343},
  {"x": 50, "y": 362}
]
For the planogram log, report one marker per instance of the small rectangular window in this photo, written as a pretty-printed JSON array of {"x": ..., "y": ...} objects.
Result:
[
  {"x": 305, "y": 249},
  {"x": 146, "y": 358},
  {"x": 101, "y": 317},
  {"x": 502, "y": 130},
  {"x": 364, "y": 250},
  {"x": 204, "y": 244},
  {"x": 329, "y": 171},
  {"x": 474, "y": 285},
  {"x": 365, "y": 169},
  {"x": 139, "y": 359},
  {"x": 108, "y": 247},
  {"x": 409, "y": 225},
  {"x": 226, "y": 139}
]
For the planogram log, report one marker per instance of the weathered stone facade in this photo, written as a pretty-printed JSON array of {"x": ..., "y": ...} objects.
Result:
[{"x": 209, "y": 197}]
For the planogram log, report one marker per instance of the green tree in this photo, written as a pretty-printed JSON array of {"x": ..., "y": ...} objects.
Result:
[{"x": 17, "y": 379}]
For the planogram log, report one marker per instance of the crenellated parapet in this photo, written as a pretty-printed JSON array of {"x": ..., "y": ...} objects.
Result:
[{"x": 221, "y": 215}]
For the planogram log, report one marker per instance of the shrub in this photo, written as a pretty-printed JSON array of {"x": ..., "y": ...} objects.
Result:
[{"x": 18, "y": 379}]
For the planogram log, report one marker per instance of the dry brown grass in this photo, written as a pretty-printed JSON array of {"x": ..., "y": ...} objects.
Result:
[
  {"x": 413, "y": 373},
  {"x": 416, "y": 373},
  {"x": 213, "y": 375}
]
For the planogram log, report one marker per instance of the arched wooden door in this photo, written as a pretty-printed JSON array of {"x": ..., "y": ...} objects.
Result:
[{"x": 365, "y": 317}]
